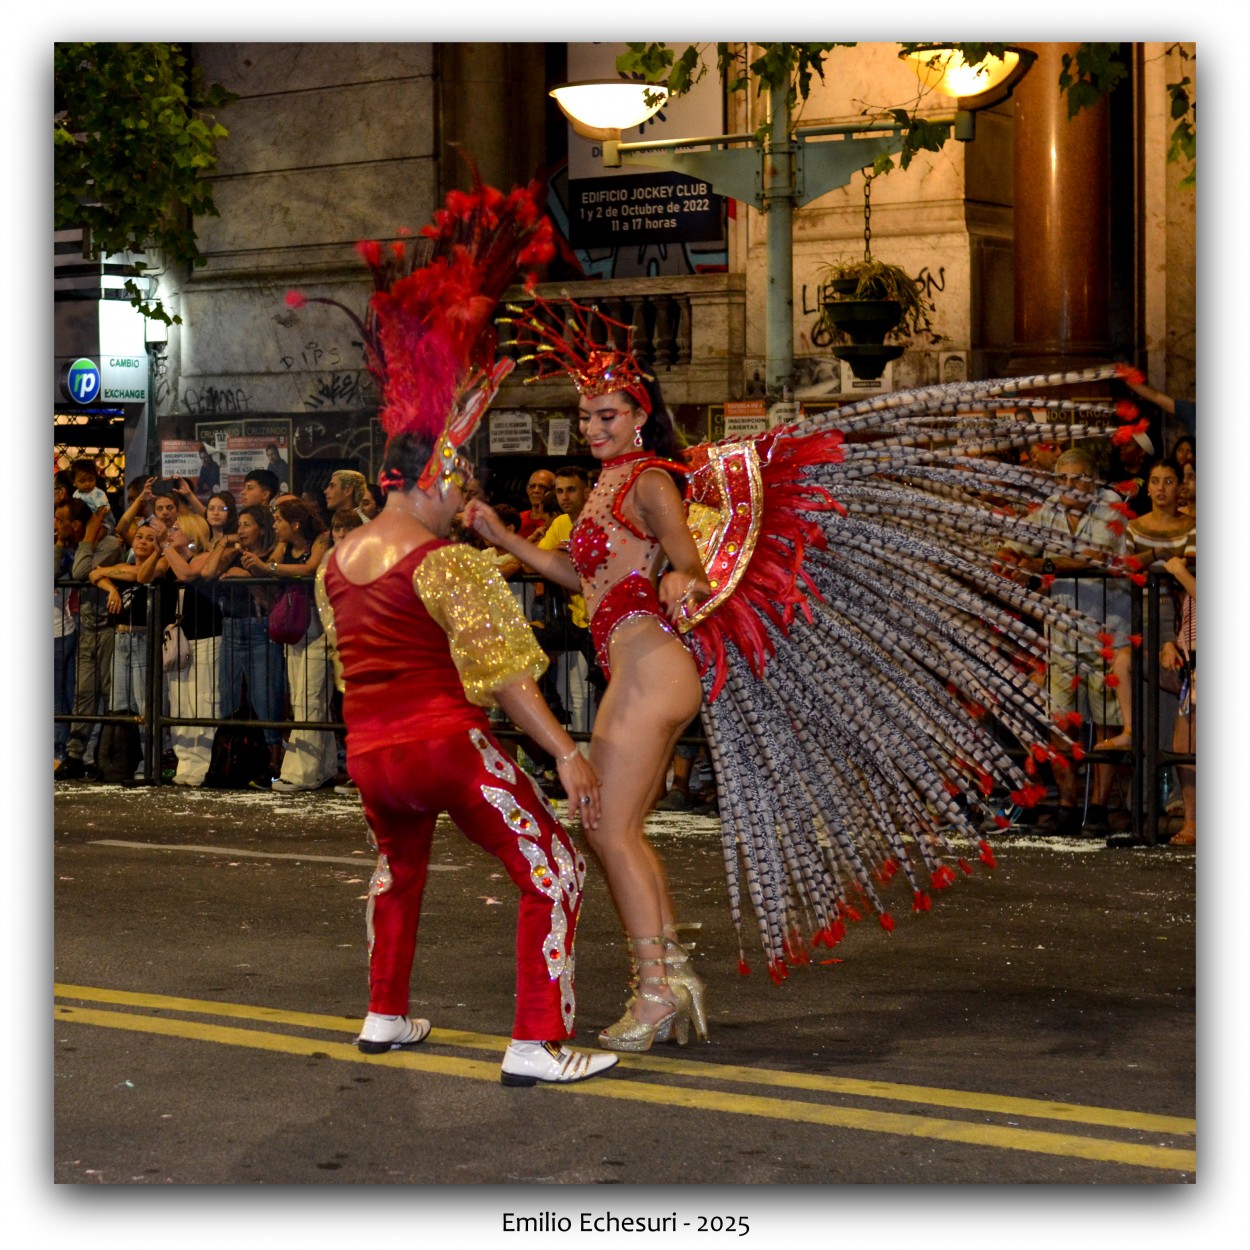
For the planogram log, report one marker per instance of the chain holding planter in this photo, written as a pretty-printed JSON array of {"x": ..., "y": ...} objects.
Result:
[{"x": 865, "y": 301}]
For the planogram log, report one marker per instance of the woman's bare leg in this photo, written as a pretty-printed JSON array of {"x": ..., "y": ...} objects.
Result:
[
  {"x": 1122, "y": 667},
  {"x": 653, "y": 694},
  {"x": 1185, "y": 741}
]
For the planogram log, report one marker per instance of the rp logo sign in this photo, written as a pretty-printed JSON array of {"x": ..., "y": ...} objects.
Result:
[{"x": 83, "y": 380}]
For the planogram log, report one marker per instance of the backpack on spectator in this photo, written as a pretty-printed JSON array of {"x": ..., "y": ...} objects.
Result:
[
  {"x": 240, "y": 755},
  {"x": 118, "y": 752}
]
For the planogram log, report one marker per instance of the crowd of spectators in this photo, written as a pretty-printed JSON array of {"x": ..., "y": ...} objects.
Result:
[
  {"x": 226, "y": 568},
  {"x": 1110, "y": 506},
  {"x": 218, "y": 567}
]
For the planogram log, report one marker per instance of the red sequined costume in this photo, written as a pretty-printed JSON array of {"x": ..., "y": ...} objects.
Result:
[
  {"x": 420, "y": 650},
  {"x": 613, "y": 555},
  {"x": 851, "y": 640}
]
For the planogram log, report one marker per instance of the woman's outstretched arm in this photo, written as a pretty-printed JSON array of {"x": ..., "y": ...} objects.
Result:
[{"x": 554, "y": 566}]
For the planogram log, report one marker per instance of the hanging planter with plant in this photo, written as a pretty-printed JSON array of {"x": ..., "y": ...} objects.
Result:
[{"x": 864, "y": 302}]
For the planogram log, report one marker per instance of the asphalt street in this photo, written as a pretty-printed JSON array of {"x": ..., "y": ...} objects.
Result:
[{"x": 1037, "y": 1027}]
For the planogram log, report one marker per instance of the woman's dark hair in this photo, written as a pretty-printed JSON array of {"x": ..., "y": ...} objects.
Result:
[
  {"x": 550, "y": 505},
  {"x": 260, "y": 514},
  {"x": 232, "y": 510},
  {"x": 508, "y": 516},
  {"x": 346, "y": 519},
  {"x": 1180, "y": 442},
  {"x": 1165, "y": 462},
  {"x": 314, "y": 500},
  {"x": 305, "y": 523},
  {"x": 658, "y": 434}
]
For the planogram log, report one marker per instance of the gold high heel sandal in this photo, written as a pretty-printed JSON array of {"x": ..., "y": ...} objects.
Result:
[
  {"x": 631, "y": 1034},
  {"x": 680, "y": 969}
]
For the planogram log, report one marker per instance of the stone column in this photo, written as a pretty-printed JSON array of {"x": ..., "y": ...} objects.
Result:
[
  {"x": 491, "y": 100},
  {"x": 1062, "y": 224}
]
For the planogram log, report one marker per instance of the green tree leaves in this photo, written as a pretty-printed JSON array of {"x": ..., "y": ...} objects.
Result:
[
  {"x": 1094, "y": 71},
  {"x": 133, "y": 135},
  {"x": 1098, "y": 68},
  {"x": 1183, "y": 142}
]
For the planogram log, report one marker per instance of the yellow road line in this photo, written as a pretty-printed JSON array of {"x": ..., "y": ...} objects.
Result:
[
  {"x": 958, "y": 1099},
  {"x": 963, "y": 1100},
  {"x": 988, "y": 1135}
]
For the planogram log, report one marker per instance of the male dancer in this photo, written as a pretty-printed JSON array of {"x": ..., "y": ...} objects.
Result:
[{"x": 428, "y": 635}]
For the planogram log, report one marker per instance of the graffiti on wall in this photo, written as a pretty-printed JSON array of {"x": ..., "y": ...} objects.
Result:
[
  {"x": 315, "y": 440},
  {"x": 342, "y": 390},
  {"x": 337, "y": 385},
  {"x": 314, "y": 356},
  {"x": 160, "y": 379},
  {"x": 214, "y": 401}
]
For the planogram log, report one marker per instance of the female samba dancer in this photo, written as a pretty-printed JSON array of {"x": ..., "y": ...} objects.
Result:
[
  {"x": 845, "y": 555},
  {"x": 632, "y": 521}
]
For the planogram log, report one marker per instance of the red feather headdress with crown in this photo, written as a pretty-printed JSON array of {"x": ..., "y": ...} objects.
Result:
[
  {"x": 427, "y": 333},
  {"x": 595, "y": 350}
]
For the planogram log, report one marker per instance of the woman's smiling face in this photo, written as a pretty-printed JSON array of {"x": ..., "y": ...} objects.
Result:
[{"x": 609, "y": 423}]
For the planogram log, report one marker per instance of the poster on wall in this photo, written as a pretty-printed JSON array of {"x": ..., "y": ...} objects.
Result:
[
  {"x": 637, "y": 221},
  {"x": 214, "y": 438},
  {"x": 511, "y": 432},
  {"x": 240, "y": 447},
  {"x": 182, "y": 457},
  {"x": 558, "y": 431},
  {"x": 745, "y": 417}
]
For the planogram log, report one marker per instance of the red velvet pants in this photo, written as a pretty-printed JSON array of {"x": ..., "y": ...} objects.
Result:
[{"x": 404, "y": 788}]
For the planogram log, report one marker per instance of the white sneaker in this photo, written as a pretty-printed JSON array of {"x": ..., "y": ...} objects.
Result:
[
  {"x": 527, "y": 1063},
  {"x": 382, "y": 1033},
  {"x": 278, "y": 786}
]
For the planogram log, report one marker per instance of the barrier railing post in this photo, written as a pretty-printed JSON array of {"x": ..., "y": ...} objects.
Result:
[
  {"x": 1148, "y": 756},
  {"x": 152, "y": 695}
]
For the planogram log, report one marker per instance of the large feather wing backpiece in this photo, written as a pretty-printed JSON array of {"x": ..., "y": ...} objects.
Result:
[{"x": 872, "y": 680}]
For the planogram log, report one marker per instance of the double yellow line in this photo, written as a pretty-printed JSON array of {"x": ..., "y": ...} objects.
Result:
[{"x": 1138, "y": 1143}]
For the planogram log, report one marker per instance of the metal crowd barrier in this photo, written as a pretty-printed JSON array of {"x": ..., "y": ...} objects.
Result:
[
  {"x": 156, "y": 717},
  {"x": 1148, "y": 758}
]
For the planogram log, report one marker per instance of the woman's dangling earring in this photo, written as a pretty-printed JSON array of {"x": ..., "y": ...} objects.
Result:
[{"x": 637, "y": 436}]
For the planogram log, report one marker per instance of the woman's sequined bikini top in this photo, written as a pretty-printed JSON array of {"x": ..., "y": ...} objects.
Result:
[{"x": 607, "y": 543}]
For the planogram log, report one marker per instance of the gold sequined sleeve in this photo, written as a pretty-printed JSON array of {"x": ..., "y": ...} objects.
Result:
[
  {"x": 491, "y": 642},
  {"x": 326, "y": 611}
]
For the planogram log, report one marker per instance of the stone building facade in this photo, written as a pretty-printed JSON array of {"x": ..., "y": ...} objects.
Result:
[{"x": 332, "y": 143}]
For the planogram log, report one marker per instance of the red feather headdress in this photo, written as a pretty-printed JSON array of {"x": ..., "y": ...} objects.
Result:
[
  {"x": 428, "y": 333},
  {"x": 595, "y": 350}
]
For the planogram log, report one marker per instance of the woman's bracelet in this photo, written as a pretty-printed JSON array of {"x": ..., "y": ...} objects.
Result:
[{"x": 564, "y": 759}]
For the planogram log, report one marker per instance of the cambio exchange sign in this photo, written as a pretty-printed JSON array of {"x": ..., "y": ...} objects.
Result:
[{"x": 114, "y": 379}]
